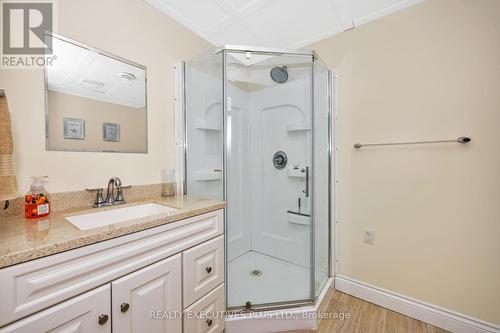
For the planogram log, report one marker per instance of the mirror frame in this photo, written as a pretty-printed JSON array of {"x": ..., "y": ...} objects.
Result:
[{"x": 106, "y": 54}]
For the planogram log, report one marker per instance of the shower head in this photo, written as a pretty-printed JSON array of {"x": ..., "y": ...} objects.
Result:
[{"x": 279, "y": 74}]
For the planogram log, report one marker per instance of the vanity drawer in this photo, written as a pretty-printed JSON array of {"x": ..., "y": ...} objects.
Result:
[
  {"x": 206, "y": 315},
  {"x": 79, "y": 314},
  {"x": 35, "y": 285},
  {"x": 203, "y": 269}
]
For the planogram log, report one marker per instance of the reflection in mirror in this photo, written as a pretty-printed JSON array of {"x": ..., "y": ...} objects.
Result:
[{"x": 95, "y": 101}]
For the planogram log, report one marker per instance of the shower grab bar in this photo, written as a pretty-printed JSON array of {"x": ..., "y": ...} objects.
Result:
[
  {"x": 306, "y": 191},
  {"x": 462, "y": 139}
]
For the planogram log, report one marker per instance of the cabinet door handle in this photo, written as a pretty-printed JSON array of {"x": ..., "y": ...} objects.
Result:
[
  {"x": 209, "y": 322},
  {"x": 208, "y": 269},
  {"x": 124, "y": 307},
  {"x": 103, "y": 319}
]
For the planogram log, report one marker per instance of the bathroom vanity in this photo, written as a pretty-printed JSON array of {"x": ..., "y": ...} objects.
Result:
[{"x": 158, "y": 274}]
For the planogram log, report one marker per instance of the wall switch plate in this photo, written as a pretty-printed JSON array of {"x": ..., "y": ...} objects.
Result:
[{"x": 369, "y": 237}]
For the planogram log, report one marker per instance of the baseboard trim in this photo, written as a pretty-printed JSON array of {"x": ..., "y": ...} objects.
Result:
[{"x": 446, "y": 319}]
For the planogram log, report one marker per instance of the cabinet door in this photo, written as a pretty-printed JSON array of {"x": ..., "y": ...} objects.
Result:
[
  {"x": 149, "y": 300},
  {"x": 87, "y": 313}
]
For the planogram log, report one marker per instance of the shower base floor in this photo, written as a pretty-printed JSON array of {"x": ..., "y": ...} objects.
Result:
[{"x": 280, "y": 281}]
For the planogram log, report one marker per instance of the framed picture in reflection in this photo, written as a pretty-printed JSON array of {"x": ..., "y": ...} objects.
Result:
[
  {"x": 74, "y": 128},
  {"x": 111, "y": 132}
]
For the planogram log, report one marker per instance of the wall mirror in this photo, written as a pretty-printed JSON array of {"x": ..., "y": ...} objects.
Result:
[{"x": 94, "y": 101}]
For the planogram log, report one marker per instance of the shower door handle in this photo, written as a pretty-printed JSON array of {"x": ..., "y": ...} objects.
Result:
[{"x": 306, "y": 191}]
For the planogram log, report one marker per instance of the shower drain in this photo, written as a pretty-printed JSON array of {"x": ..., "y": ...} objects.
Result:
[{"x": 256, "y": 272}]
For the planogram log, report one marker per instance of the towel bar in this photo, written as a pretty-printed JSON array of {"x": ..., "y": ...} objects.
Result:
[{"x": 462, "y": 139}]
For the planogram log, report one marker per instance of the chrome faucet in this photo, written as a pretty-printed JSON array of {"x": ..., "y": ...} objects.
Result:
[{"x": 114, "y": 184}]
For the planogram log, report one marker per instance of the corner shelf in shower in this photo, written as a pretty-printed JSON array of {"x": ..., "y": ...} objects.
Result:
[
  {"x": 207, "y": 175},
  {"x": 207, "y": 125},
  {"x": 299, "y": 126},
  {"x": 298, "y": 218},
  {"x": 295, "y": 173}
]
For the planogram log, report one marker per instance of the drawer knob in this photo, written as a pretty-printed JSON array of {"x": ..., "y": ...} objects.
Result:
[
  {"x": 103, "y": 319},
  {"x": 208, "y": 269},
  {"x": 124, "y": 307},
  {"x": 209, "y": 322}
]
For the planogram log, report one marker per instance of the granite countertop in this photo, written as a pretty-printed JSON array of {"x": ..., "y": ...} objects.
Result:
[{"x": 24, "y": 239}]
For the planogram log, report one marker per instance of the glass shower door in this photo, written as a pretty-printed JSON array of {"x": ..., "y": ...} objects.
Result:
[
  {"x": 269, "y": 171},
  {"x": 321, "y": 172},
  {"x": 204, "y": 126}
]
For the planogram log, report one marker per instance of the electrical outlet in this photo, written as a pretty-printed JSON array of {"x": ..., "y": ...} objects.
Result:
[{"x": 369, "y": 236}]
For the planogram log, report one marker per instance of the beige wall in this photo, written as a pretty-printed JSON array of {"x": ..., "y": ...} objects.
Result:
[
  {"x": 95, "y": 113},
  {"x": 428, "y": 72},
  {"x": 133, "y": 30}
]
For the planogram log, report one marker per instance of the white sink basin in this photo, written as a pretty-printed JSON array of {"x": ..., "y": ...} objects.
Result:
[{"x": 112, "y": 216}]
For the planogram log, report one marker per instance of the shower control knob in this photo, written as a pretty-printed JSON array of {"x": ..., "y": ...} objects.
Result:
[
  {"x": 208, "y": 269},
  {"x": 280, "y": 160}
]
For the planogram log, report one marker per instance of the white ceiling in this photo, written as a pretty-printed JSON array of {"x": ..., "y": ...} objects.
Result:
[{"x": 274, "y": 23}]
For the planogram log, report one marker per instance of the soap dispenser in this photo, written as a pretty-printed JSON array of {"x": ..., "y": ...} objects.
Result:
[{"x": 37, "y": 199}]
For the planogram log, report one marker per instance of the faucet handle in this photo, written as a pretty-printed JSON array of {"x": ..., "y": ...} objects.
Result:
[
  {"x": 119, "y": 193},
  {"x": 99, "y": 200}
]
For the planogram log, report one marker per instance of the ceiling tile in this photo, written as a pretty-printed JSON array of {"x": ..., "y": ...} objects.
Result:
[
  {"x": 295, "y": 22},
  {"x": 274, "y": 23},
  {"x": 241, "y": 5},
  {"x": 236, "y": 34},
  {"x": 202, "y": 14}
]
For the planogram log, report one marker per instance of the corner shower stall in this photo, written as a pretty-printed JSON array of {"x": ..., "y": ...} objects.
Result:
[{"x": 258, "y": 136}]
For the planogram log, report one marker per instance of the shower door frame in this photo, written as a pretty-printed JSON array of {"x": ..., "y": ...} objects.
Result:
[
  {"x": 277, "y": 52},
  {"x": 181, "y": 107}
]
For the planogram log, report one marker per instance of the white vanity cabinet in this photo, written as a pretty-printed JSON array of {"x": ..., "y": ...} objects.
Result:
[
  {"x": 86, "y": 313},
  {"x": 205, "y": 315},
  {"x": 141, "y": 282},
  {"x": 153, "y": 289},
  {"x": 203, "y": 269}
]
